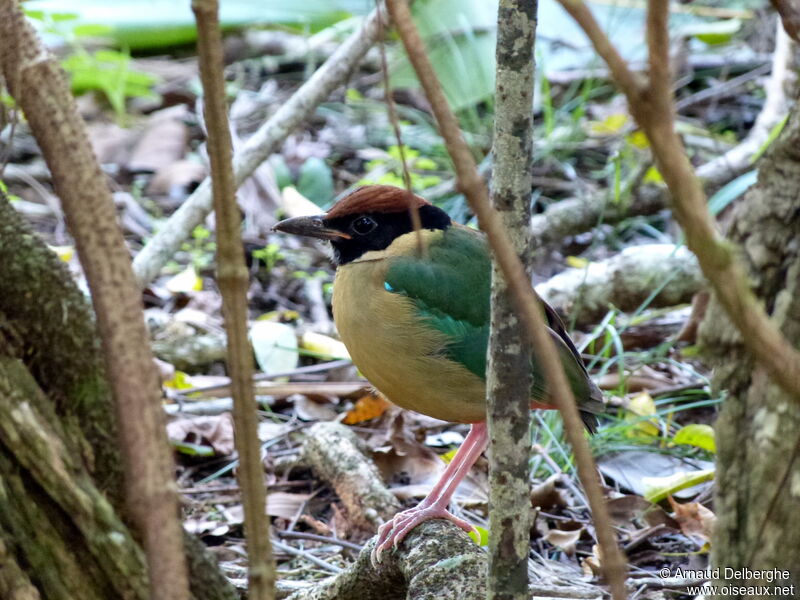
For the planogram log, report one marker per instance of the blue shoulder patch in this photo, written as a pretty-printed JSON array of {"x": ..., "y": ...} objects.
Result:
[{"x": 387, "y": 286}]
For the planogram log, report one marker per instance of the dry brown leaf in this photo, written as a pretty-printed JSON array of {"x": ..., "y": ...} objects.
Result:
[
  {"x": 279, "y": 504},
  {"x": 625, "y": 510},
  {"x": 564, "y": 539},
  {"x": 547, "y": 495},
  {"x": 695, "y": 520},
  {"x": 284, "y": 504},
  {"x": 591, "y": 565},
  {"x": 110, "y": 142},
  {"x": 215, "y": 431},
  {"x": 176, "y": 179},
  {"x": 163, "y": 141},
  {"x": 307, "y": 409}
]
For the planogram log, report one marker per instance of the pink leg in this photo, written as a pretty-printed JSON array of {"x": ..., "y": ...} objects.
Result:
[{"x": 434, "y": 505}]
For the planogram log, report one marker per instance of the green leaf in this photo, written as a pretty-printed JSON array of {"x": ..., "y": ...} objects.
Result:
[
  {"x": 316, "y": 181},
  {"x": 482, "y": 537},
  {"x": 192, "y": 449},
  {"x": 92, "y": 30},
  {"x": 699, "y": 436},
  {"x": 658, "y": 488},
  {"x": 58, "y": 17},
  {"x": 714, "y": 33},
  {"x": 773, "y": 135},
  {"x": 283, "y": 176}
]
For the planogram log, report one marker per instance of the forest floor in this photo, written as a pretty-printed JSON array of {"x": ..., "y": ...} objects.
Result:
[{"x": 655, "y": 446}]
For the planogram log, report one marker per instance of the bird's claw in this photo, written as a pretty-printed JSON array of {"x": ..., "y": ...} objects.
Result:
[{"x": 391, "y": 533}]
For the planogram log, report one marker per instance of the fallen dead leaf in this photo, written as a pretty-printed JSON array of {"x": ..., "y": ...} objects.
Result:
[
  {"x": 695, "y": 520},
  {"x": 163, "y": 141},
  {"x": 367, "y": 407},
  {"x": 564, "y": 539},
  {"x": 591, "y": 565},
  {"x": 279, "y": 504},
  {"x": 307, "y": 409},
  {"x": 547, "y": 495},
  {"x": 215, "y": 431},
  {"x": 177, "y": 179}
]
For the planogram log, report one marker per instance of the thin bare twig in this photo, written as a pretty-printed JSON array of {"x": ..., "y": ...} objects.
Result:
[
  {"x": 308, "y": 556},
  {"x": 413, "y": 209},
  {"x": 528, "y": 304},
  {"x": 232, "y": 276}
]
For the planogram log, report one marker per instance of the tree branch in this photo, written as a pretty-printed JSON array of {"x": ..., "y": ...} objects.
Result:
[
  {"x": 414, "y": 571},
  {"x": 508, "y": 374},
  {"x": 233, "y": 279},
  {"x": 527, "y": 302},
  {"x": 37, "y": 83}
]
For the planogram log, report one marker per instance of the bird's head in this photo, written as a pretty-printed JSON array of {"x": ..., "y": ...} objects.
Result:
[{"x": 370, "y": 218}]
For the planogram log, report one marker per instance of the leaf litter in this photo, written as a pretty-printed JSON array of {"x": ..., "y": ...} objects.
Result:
[{"x": 647, "y": 444}]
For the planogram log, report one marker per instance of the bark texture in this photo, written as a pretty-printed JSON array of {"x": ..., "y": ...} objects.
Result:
[
  {"x": 59, "y": 460},
  {"x": 38, "y": 84},
  {"x": 414, "y": 571},
  {"x": 334, "y": 452},
  {"x": 758, "y": 467},
  {"x": 508, "y": 378}
]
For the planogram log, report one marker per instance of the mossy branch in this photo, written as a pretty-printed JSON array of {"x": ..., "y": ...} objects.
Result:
[{"x": 39, "y": 86}]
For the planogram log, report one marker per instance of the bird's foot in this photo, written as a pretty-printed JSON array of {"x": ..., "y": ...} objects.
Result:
[{"x": 391, "y": 533}]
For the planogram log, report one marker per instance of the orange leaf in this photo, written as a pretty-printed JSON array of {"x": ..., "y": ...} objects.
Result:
[{"x": 366, "y": 408}]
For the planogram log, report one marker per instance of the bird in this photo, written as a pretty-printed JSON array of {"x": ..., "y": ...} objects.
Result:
[{"x": 412, "y": 306}]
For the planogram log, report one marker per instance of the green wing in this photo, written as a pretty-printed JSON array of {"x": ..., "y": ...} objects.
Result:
[{"x": 451, "y": 290}]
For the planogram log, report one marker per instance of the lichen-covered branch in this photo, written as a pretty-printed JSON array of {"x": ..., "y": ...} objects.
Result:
[
  {"x": 436, "y": 560},
  {"x": 625, "y": 281},
  {"x": 508, "y": 373},
  {"x": 332, "y": 451},
  {"x": 56, "y": 338},
  {"x": 86, "y": 551}
]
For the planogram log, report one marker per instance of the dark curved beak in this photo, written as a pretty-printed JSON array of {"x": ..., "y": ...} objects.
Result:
[{"x": 310, "y": 227}]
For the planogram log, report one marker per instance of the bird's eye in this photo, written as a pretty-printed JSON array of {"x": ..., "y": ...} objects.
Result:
[{"x": 363, "y": 225}]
